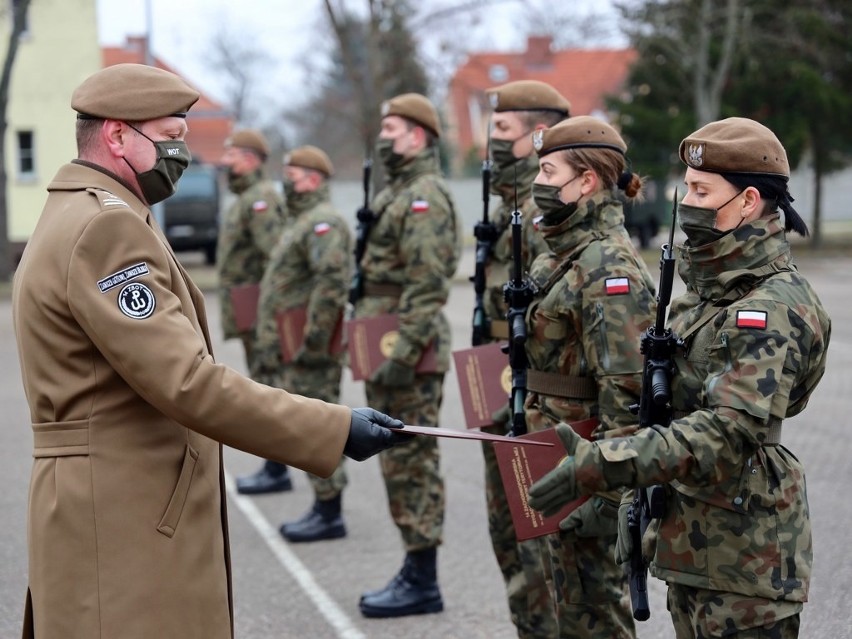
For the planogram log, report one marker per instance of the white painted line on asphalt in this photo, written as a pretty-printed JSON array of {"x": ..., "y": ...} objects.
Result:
[{"x": 327, "y": 607}]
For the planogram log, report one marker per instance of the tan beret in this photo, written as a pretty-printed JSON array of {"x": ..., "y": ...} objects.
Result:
[
  {"x": 250, "y": 139},
  {"x": 416, "y": 108},
  {"x": 580, "y": 132},
  {"x": 132, "y": 92},
  {"x": 735, "y": 145},
  {"x": 310, "y": 157},
  {"x": 527, "y": 95}
]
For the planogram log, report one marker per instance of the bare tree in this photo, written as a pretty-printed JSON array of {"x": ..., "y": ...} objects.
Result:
[
  {"x": 19, "y": 22},
  {"x": 242, "y": 65}
]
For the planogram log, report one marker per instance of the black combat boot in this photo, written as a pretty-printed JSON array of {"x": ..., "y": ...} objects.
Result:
[
  {"x": 413, "y": 591},
  {"x": 272, "y": 478},
  {"x": 323, "y": 521}
]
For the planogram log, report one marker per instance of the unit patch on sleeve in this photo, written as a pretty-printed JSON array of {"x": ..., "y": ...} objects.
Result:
[
  {"x": 261, "y": 206},
  {"x": 136, "y": 301},
  {"x": 420, "y": 206},
  {"x": 617, "y": 285},
  {"x": 751, "y": 319},
  {"x": 123, "y": 276}
]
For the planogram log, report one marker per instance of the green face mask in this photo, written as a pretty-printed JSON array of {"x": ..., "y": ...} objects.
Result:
[
  {"x": 160, "y": 182},
  {"x": 289, "y": 187},
  {"x": 503, "y": 161},
  {"x": 550, "y": 204},
  {"x": 391, "y": 160},
  {"x": 699, "y": 223}
]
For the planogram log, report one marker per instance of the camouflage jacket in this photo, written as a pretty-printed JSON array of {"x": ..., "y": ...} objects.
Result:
[
  {"x": 310, "y": 267},
  {"x": 415, "y": 243},
  {"x": 500, "y": 265},
  {"x": 595, "y": 300},
  {"x": 250, "y": 229},
  {"x": 737, "y": 518}
]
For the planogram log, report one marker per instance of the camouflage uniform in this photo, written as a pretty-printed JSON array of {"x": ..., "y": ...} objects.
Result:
[
  {"x": 414, "y": 245},
  {"x": 520, "y": 562},
  {"x": 310, "y": 266},
  {"x": 737, "y": 521},
  {"x": 595, "y": 299},
  {"x": 249, "y": 231}
]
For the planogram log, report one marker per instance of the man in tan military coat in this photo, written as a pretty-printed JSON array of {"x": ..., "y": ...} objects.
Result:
[{"x": 127, "y": 520}]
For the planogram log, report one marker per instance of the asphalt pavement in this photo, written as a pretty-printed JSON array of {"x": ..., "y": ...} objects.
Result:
[{"x": 292, "y": 590}]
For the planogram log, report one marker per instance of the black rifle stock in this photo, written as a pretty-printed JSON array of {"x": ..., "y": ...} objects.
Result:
[
  {"x": 518, "y": 293},
  {"x": 486, "y": 234},
  {"x": 366, "y": 218},
  {"x": 658, "y": 346}
]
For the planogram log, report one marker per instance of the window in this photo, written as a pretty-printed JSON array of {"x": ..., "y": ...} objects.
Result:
[{"x": 26, "y": 154}]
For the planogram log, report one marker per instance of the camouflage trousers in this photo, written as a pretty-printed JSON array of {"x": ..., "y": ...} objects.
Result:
[
  {"x": 320, "y": 383},
  {"x": 521, "y": 563},
  {"x": 411, "y": 471},
  {"x": 707, "y": 614},
  {"x": 590, "y": 590}
]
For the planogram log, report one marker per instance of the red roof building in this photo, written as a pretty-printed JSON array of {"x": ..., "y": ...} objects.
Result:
[
  {"x": 209, "y": 123},
  {"x": 584, "y": 76}
]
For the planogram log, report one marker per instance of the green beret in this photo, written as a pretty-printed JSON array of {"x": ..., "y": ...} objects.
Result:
[
  {"x": 580, "y": 132},
  {"x": 132, "y": 92},
  {"x": 250, "y": 139},
  {"x": 414, "y": 107},
  {"x": 735, "y": 145},
  {"x": 527, "y": 95},
  {"x": 310, "y": 157}
]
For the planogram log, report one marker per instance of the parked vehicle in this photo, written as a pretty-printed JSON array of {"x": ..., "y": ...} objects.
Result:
[{"x": 190, "y": 217}]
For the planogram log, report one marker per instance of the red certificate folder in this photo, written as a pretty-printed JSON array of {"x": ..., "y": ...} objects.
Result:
[
  {"x": 291, "y": 332},
  {"x": 521, "y": 466},
  {"x": 485, "y": 382},
  {"x": 244, "y": 302},
  {"x": 371, "y": 341}
]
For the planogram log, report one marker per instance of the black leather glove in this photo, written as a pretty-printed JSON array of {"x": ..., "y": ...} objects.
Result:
[
  {"x": 369, "y": 434},
  {"x": 394, "y": 374}
]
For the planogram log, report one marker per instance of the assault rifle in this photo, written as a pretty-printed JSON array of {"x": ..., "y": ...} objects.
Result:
[
  {"x": 366, "y": 218},
  {"x": 486, "y": 233},
  {"x": 518, "y": 293},
  {"x": 658, "y": 345}
]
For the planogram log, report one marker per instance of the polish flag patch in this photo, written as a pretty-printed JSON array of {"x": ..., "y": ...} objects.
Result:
[
  {"x": 322, "y": 228},
  {"x": 537, "y": 220},
  {"x": 260, "y": 206},
  {"x": 751, "y": 319},
  {"x": 419, "y": 206},
  {"x": 617, "y": 286}
]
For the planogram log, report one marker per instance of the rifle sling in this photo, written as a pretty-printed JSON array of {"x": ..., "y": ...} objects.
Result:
[{"x": 558, "y": 385}]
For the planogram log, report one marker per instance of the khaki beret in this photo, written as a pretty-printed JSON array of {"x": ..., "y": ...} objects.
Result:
[
  {"x": 133, "y": 92},
  {"x": 527, "y": 95},
  {"x": 310, "y": 157},
  {"x": 735, "y": 145},
  {"x": 250, "y": 139},
  {"x": 416, "y": 108},
  {"x": 580, "y": 132}
]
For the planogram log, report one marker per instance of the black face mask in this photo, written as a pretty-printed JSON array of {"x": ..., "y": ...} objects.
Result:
[
  {"x": 160, "y": 182},
  {"x": 699, "y": 223}
]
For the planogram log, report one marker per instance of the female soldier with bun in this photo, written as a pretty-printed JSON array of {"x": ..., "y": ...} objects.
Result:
[{"x": 595, "y": 298}]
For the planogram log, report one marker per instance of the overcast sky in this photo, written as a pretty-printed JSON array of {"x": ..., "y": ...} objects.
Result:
[{"x": 181, "y": 29}]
